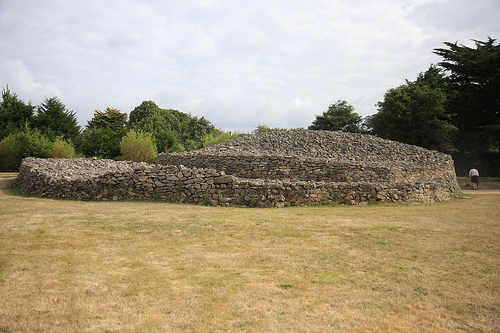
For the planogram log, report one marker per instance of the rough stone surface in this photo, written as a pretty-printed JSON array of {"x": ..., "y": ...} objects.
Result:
[
  {"x": 273, "y": 169},
  {"x": 319, "y": 156}
]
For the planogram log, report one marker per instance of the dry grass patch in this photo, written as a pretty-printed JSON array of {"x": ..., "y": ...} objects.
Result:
[{"x": 150, "y": 266}]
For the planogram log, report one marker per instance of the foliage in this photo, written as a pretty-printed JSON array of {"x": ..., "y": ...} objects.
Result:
[
  {"x": 103, "y": 142},
  {"x": 172, "y": 130},
  {"x": 14, "y": 113},
  {"x": 474, "y": 73},
  {"x": 219, "y": 136},
  {"x": 8, "y": 154},
  {"x": 25, "y": 143},
  {"x": 138, "y": 146},
  {"x": 62, "y": 149},
  {"x": 111, "y": 118},
  {"x": 148, "y": 117},
  {"x": 339, "y": 116},
  {"x": 415, "y": 113},
  {"x": 54, "y": 120},
  {"x": 144, "y": 110}
]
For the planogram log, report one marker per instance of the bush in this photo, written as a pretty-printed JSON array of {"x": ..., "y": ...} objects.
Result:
[
  {"x": 8, "y": 154},
  {"x": 62, "y": 149},
  {"x": 27, "y": 143},
  {"x": 139, "y": 146}
]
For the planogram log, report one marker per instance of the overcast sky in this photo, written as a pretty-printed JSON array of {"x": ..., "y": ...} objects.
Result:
[{"x": 237, "y": 63}]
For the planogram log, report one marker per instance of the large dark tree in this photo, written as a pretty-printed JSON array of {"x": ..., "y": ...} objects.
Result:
[
  {"x": 53, "y": 120},
  {"x": 475, "y": 75},
  {"x": 339, "y": 116},
  {"x": 416, "y": 113},
  {"x": 14, "y": 113}
]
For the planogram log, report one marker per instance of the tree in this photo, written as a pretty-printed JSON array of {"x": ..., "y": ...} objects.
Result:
[
  {"x": 104, "y": 133},
  {"x": 339, "y": 116},
  {"x": 111, "y": 118},
  {"x": 144, "y": 110},
  {"x": 474, "y": 73},
  {"x": 148, "y": 117},
  {"x": 54, "y": 120},
  {"x": 172, "y": 130},
  {"x": 14, "y": 113},
  {"x": 415, "y": 113},
  {"x": 102, "y": 142}
]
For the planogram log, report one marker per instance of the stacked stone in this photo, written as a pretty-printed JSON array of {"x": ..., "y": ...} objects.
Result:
[
  {"x": 319, "y": 156},
  {"x": 240, "y": 173}
]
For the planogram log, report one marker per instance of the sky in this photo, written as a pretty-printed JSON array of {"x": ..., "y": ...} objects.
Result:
[{"x": 239, "y": 64}]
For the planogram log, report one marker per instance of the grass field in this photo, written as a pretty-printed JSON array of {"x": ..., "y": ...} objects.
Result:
[{"x": 69, "y": 266}]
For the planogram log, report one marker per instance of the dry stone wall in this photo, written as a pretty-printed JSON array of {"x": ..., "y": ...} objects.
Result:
[
  {"x": 62, "y": 178},
  {"x": 238, "y": 173}
]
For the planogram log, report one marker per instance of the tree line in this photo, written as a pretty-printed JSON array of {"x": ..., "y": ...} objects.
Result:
[
  {"x": 51, "y": 130},
  {"x": 452, "y": 107}
]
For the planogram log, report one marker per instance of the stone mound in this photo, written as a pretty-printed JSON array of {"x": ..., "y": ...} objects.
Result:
[
  {"x": 272, "y": 169},
  {"x": 319, "y": 156},
  {"x": 334, "y": 145}
]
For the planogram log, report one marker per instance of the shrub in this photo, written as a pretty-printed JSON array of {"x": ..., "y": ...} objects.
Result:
[
  {"x": 62, "y": 149},
  {"x": 139, "y": 146},
  {"x": 8, "y": 153},
  {"x": 26, "y": 143},
  {"x": 32, "y": 143}
]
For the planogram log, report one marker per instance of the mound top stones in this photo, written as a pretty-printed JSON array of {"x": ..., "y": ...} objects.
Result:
[
  {"x": 334, "y": 145},
  {"x": 319, "y": 156},
  {"x": 272, "y": 169}
]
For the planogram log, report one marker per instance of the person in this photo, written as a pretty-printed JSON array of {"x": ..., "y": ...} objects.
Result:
[{"x": 474, "y": 178}]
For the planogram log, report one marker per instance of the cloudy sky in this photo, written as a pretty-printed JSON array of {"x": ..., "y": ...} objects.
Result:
[{"x": 237, "y": 63}]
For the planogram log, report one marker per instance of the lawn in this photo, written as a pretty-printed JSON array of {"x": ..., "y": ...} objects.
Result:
[{"x": 70, "y": 266}]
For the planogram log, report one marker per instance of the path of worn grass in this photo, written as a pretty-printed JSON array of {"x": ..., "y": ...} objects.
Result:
[{"x": 68, "y": 266}]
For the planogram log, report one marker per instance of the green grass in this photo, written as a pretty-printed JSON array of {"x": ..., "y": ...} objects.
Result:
[{"x": 70, "y": 266}]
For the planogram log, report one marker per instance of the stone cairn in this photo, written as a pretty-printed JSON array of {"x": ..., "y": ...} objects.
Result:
[{"x": 273, "y": 169}]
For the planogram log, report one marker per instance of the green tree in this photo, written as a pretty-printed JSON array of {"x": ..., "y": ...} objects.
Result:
[
  {"x": 14, "y": 113},
  {"x": 111, "y": 118},
  {"x": 474, "y": 73},
  {"x": 144, "y": 110},
  {"x": 148, "y": 117},
  {"x": 103, "y": 142},
  {"x": 54, "y": 120},
  {"x": 416, "y": 113},
  {"x": 172, "y": 130},
  {"x": 339, "y": 116}
]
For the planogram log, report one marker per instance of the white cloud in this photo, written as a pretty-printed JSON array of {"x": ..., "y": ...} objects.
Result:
[
  {"x": 238, "y": 63},
  {"x": 15, "y": 75}
]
